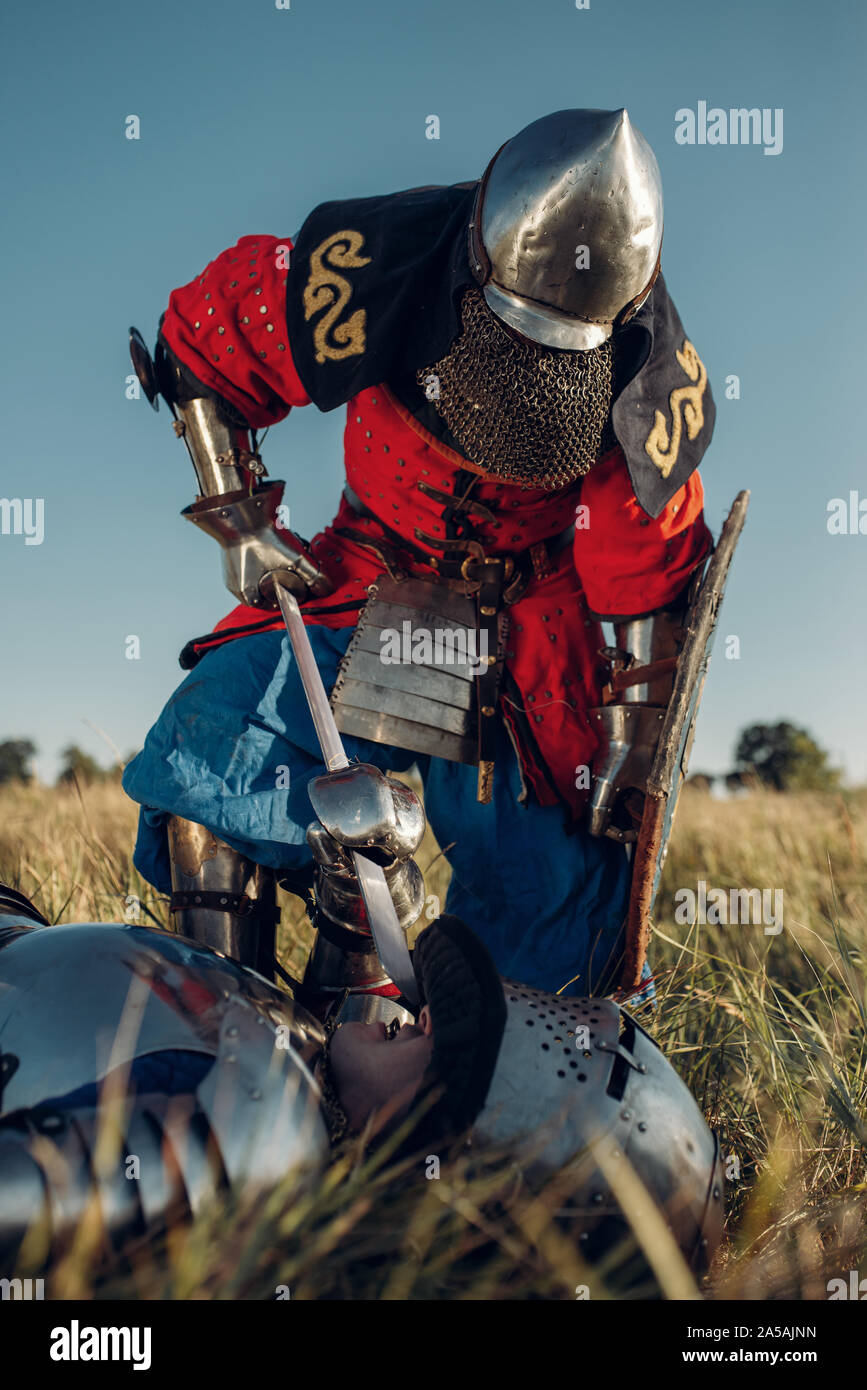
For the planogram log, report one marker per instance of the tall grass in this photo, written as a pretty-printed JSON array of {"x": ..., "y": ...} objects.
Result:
[{"x": 768, "y": 1030}]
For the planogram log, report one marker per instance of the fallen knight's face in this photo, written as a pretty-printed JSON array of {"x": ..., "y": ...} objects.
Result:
[{"x": 377, "y": 1067}]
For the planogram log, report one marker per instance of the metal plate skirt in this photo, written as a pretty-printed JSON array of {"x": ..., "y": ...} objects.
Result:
[
  {"x": 235, "y": 747},
  {"x": 408, "y": 674}
]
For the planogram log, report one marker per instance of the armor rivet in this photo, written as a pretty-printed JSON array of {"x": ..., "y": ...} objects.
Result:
[
  {"x": 211, "y": 310},
  {"x": 642, "y": 1126},
  {"x": 538, "y": 718},
  {"x": 224, "y": 513},
  {"x": 263, "y": 353},
  {"x": 488, "y": 612},
  {"x": 373, "y": 400},
  {"x": 233, "y": 284},
  {"x": 269, "y": 327},
  {"x": 197, "y": 324},
  {"x": 232, "y": 1032},
  {"x": 626, "y": 1115},
  {"x": 197, "y": 899},
  {"x": 231, "y": 1056},
  {"x": 208, "y": 295},
  {"x": 221, "y": 330},
  {"x": 230, "y": 349},
  {"x": 245, "y": 319},
  {"x": 529, "y": 1022},
  {"x": 263, "y": 308},
  {"x": 385, "y": 448},
  {"x": 401, "y": 463},
  {"x": 281, "y": 347},
  {"x": 255, "y": 1094},
  {"x": 487, "y": 710},
  {"x": 561, "y": 1073},
  {"x": 716, "y": 1193},
  {"x": 258, "y": 289}
]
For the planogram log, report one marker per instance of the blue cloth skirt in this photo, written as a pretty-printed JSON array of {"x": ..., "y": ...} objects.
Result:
[{"x": 235, "y": 747}]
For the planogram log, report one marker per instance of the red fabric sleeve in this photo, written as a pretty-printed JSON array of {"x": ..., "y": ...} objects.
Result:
[
  {"x": 629, "y": 563},
  {"x": 229, "y": 327}
]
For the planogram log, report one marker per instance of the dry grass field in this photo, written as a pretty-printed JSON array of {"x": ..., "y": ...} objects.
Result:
[{"x": 767, "y": 1028}]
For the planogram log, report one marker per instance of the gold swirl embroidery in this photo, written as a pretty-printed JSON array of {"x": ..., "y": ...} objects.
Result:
[
  {"x": 327, "y": 290},
  {"x": 685, "y": 404}
]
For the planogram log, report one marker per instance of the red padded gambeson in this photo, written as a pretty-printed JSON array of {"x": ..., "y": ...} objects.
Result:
[{"x": 229, "y": 327}]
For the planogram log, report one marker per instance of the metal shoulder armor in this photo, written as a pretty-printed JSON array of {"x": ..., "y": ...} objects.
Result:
[{"x": 211, "y": 1066}]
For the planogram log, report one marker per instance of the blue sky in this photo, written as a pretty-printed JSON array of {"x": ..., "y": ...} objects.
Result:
[{"x": 251, "y": 115}]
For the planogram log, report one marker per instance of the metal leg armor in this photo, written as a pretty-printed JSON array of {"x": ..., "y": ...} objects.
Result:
[{"x": 220, "y": 898}]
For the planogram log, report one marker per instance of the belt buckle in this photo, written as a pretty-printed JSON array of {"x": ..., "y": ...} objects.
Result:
[{"x": 476, "y": 554}]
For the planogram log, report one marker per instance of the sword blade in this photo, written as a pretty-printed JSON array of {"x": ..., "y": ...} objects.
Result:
[{"x": 388, "y": 936}]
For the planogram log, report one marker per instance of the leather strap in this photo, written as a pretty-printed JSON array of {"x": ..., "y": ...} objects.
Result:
[{"x": 237, "y": 904}]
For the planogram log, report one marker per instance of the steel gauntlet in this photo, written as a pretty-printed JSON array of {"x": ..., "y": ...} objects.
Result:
[
  {"x": 361, "y": 809},
  {"x": 642, "y": 667}
]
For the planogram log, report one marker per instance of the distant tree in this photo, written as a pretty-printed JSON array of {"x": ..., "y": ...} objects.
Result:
[
  {"x": 784, "y": 757},
  {"x": 700, "y": 781},
  {"x": 79, "y": 766},
  {"x": 15, "y": 755}
]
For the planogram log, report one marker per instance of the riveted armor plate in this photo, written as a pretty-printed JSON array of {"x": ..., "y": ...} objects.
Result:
[{"x": 407, "y": 677}]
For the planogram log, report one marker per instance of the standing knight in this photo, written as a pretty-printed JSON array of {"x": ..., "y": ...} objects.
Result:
[{"x": 524, "y": 420}]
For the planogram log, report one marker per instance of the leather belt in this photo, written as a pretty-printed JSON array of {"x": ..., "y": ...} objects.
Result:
[{"x": 464, "y": 564}]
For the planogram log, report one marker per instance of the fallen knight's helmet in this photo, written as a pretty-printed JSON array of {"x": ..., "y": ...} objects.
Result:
[{"x": 566, "y": 1081}]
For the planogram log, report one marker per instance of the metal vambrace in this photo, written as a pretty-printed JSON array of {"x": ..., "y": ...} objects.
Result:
[
  {"x": 235, "y": 506},
  {"x": 247, "y": 521},
  {"x": 363, "y": 810},
  {"x": 642, "y": 666}
]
